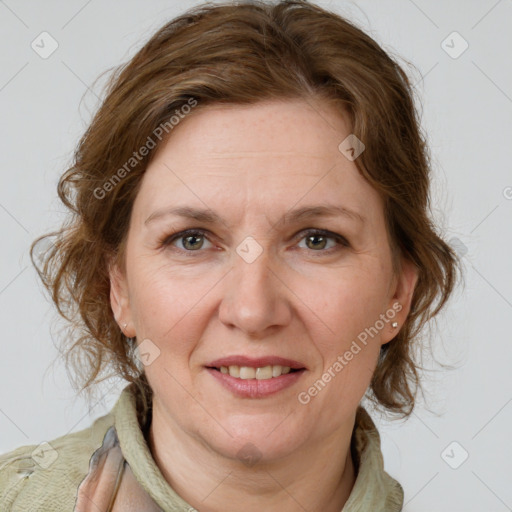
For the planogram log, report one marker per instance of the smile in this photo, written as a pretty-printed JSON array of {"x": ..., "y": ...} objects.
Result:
[
  {"x": 261, "y": 373},
  {"x": 246, "y": 377}
]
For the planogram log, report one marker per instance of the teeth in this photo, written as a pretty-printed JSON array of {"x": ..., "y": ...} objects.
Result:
[
  {"x": 263, "y": 373},
  {"x": 276, "y": 370},
  {"x": 234, "y": 371},
  {"x": 247, "y": 373}
]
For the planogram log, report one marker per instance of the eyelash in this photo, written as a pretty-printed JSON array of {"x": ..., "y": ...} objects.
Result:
[{"x": 169, "y": 239}]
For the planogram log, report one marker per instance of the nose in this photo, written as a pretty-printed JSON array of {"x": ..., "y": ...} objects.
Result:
[{"x": 256, "y": 298}]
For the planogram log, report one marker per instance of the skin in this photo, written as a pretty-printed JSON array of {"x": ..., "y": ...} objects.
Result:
[{"x": 299, "y": 300}]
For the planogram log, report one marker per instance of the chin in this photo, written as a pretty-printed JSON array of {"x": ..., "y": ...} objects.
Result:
[{"x": 253, "y": 444}]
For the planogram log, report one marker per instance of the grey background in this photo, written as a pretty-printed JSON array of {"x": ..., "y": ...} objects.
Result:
[{"x": 467, "y": 112}]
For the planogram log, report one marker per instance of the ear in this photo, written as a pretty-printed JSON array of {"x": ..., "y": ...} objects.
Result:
[
  {"x": 119, "y": 300},
  {"x": 399, "y": 304}
]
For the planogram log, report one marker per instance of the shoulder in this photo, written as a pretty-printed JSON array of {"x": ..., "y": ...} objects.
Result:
[{"x": 36, "y": 477}]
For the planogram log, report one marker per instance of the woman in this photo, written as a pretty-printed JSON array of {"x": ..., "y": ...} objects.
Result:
[{"x": 251, "y": 249}]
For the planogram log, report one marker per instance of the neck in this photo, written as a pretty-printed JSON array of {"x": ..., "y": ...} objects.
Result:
[{"x": 315, "y": 477}]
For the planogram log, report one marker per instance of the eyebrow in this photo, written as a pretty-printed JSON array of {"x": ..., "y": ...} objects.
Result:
[{"x": 307, "y": 212}]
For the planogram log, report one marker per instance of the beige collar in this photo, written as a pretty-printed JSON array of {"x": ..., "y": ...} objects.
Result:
[{"x": 373, "y": 490}]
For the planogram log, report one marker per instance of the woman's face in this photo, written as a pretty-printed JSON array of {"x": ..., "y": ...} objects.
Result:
[{"x": 249, "y": 287}]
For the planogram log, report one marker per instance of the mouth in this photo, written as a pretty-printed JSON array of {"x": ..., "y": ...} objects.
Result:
[
  {"x": 260, "y": 373},
  {"x": 255, "y": 378},
  {"x": 261, "y": 368}
]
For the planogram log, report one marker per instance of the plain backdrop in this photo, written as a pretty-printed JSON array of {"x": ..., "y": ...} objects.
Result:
[{"x": 454, "y": 452}]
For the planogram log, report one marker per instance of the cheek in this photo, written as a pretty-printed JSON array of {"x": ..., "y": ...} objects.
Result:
[
  {"x": 159, "y": 304},
  {"x": 162, "y": 295},
  {"x": 351, "y": 348},
  {"x": 347, "y": 307}
]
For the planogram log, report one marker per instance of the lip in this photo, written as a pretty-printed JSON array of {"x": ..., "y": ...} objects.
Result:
[
  {"x": 254, "y": 388},
  {"x": 259, "y": 362}
]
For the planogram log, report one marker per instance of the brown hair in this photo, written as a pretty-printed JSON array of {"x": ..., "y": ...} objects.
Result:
[{"x": 243, "y": 54}]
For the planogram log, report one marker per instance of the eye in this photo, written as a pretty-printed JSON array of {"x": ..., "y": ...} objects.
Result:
[
  {"x": 191, "y": 240},
  {"x": 317, "y": 239}
]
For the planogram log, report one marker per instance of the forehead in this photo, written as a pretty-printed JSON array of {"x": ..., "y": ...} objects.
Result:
[
  {"x": 265, "y": 128},
  {"x": 269, "y": 155}
]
